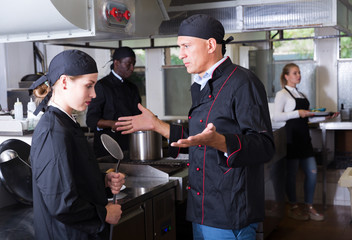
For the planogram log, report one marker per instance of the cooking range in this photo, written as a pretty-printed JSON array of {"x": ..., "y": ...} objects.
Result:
[
  {"x": 166, "y": 168},
  {"x": 148, "y": 201}
]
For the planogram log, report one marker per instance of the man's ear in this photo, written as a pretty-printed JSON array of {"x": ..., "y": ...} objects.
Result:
[
  {"x": 116, "y": 63},
  {"x": 212, "y": 45}
]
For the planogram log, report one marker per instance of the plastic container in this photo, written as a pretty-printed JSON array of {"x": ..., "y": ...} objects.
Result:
[
  {"x": 30, "y": 114},
  {"x": 18, "y": 110},
  {"x": 345, "y": 113}
]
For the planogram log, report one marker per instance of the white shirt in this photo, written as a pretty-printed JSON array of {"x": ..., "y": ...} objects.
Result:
[
  {"x": 116, "y": 75},
  {"x": 51, "y": 103},
  {"x": 202, "y": 81},
  {"x": 285, "y": 104}
]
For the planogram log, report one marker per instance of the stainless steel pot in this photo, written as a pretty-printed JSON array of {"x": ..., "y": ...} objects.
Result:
[{"x": 145, "y": 145}]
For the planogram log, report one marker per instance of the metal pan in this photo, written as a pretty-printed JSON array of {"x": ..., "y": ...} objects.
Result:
[{"x": 15, "y": 171}]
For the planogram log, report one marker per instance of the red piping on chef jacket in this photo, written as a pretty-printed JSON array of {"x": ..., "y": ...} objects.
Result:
[
  {"x": 205, "y": 147},
  {"x": 227, "y": 161}
]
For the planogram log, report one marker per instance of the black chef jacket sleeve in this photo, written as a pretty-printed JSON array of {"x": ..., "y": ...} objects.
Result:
[
  {"x": 177, "y": 132},
  {"x": 254, "y": 145},
  {"x": 59, "y": 190}
]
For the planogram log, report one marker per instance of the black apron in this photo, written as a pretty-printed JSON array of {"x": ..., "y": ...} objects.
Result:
[{"x": 299, "y": 143}]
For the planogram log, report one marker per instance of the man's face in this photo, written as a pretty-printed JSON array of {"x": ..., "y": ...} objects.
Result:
[
  {"x": 124, "y": 67},
  {"x": 194, "y": 53}
]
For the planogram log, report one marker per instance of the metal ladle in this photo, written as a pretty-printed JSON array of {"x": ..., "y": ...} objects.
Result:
[
  {"x": 10, "y": 154},
  {"x": 114, "y": 149}
]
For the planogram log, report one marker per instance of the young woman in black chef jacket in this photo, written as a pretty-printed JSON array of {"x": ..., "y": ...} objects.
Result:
[
  {"x": 69, "y": 199},
  {"x": 292, "y": 107}
]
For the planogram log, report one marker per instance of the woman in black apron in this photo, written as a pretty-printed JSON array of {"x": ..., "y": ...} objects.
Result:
[{"x": 292, "y": 107}]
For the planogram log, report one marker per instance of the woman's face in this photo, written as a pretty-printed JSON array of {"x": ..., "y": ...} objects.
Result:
[
  {"x": 80, "y": 91},
  {"x": 293, "y": 77}
]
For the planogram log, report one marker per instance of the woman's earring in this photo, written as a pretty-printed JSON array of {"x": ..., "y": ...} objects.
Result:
[{"x": 65, "y": 88}]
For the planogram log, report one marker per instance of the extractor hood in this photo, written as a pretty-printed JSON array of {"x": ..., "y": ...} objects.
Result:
[
  {"x": 86, "y": 20},
  {"x": 263, "y": 15}
]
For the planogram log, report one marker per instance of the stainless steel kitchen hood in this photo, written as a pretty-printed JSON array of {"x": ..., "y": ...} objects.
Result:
[
  {"x": 67, "y": 21},
  {"x": 262, "y": 15},
  {"x": 86, "y": 20}
]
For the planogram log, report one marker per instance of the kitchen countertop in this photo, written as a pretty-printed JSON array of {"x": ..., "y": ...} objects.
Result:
[
  {"x": 336, "y": 125},
  {"x": 16, "y": 221}
]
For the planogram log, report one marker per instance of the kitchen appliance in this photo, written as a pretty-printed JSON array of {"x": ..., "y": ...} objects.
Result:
[
  {"x": 16, "y": 176},
  {"x": 145, "y": 146},
  {"x": 9, "y": 155},
  {"x": 80, "y": 20}
]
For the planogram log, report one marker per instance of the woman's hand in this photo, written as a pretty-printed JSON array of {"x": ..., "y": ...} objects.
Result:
[
  {"x": 305, "y": 113},
  {"x": 114, "y": 181},
  {"x": 332, "y": 116},
  {"x": 113, "y": 213}
]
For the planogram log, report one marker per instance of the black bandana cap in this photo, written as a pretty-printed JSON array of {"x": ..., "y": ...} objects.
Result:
[
  {"x": 68, "y": 62},
  {"x": 204, "y": 27},
  {"x": 121, "y": 53}
]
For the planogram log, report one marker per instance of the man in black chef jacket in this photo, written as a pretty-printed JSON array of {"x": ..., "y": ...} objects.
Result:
[
  {"x": 229, "y": 136},
  {"x": 116, "y": 97}
]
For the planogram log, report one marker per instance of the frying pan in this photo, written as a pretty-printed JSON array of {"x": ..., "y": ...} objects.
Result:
[{"x": 15, "y": 171}]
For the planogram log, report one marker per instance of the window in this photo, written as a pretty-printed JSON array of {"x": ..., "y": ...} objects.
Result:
[
  {"x": 298, "y": 46},
  {"x": 345, "y": 47}
]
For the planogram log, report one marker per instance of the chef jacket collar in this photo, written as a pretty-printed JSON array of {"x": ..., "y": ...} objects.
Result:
[
  {"x": 202, "y": 81},
  {"x": 51, "y": 103},
  {"x": 116, "y": 75}
]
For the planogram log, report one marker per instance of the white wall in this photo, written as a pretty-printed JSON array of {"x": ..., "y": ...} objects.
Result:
[
  {"x": 154, "y": 81},
  {"x": 3, "y": 76},
  {"x": 16, "y": 61},
  {"x": 327, "y": 51}
]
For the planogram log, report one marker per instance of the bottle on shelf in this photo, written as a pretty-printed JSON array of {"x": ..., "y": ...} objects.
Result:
[
  {"x": 18, "y": 110},
  {"x": 345, "y": 113},
  {"x": 30, "y": 114}
]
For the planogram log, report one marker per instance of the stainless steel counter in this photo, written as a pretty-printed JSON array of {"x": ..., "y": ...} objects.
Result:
[
  {"x": 329, "y": 126},
  {"x": 16, "y": 221},
  {"x": 336, "y": 125}
]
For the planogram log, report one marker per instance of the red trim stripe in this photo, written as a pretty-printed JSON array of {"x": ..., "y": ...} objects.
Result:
[
  {"x": 205, "y": 147},
  {"x": 239, "y": 141},
  {"x": 206, "y": 123}
]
